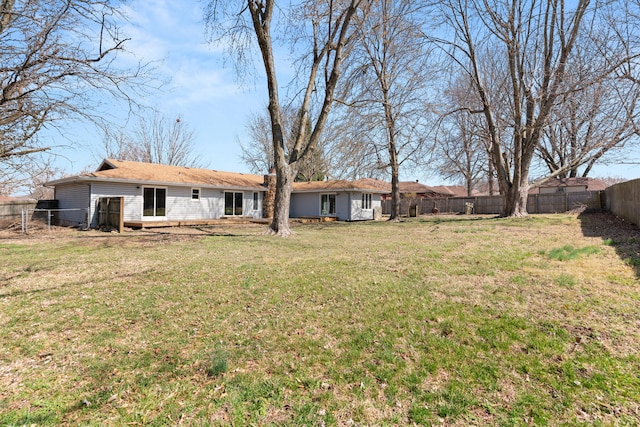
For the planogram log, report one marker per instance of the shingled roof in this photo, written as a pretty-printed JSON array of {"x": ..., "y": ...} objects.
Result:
[
  {"x": 153, "y": 173},
  {"x": 157, "y": 174},
  {"x": 364, "y": 184},
  {"x": 590, "y": 184}
]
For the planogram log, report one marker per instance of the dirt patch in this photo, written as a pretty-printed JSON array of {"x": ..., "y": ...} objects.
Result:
[{"x": 42, "y": 233}]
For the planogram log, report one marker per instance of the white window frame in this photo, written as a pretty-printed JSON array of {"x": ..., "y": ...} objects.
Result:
[
  {"x": 155, "y": 202},
  {"x": 335, "y": 202},
  {"x": 234, "y": 207},
  {"x": 256, "y": 201},
  {"x": 195, "y": 192},
  {"x": 367, "y": 201}
]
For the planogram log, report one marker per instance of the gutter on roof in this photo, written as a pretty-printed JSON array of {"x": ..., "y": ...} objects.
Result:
[
  {"x": 88, "y": 178},
  {"x": 341, "y": 190}
]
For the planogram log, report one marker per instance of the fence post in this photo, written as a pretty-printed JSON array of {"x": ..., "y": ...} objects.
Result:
[{"x": 121, "y": 216}]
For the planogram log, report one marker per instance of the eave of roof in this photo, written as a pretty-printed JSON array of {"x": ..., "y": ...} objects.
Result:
[
  {"x": 138, "y": 173},
  {"x": 359, "y": 186},
  {"x": 79, "y": 179},
  {"x": 111, "y": 170}
]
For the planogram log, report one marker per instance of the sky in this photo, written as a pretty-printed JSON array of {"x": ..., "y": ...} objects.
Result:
[{"x": 204, "y": 91}]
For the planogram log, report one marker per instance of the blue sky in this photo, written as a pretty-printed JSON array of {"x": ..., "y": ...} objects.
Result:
[{"x": 203, "y": 91}]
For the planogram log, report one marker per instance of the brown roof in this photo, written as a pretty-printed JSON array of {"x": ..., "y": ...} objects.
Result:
[
  {"x": 414, "y": 187},
  {"x": 120, "y": 170},
  {"x": 451, "y": 191},
  {"x": 163, "y": 174},
  {"x": 591, "y": 184},
  {"x": 364, "y": 184}
]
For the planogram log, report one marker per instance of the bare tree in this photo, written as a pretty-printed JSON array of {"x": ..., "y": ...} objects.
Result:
[
  {"x": 54, "y": 55},
  {"x": 155, "y": 139},
  {"x": 40, "y": 174},
  {"x": 257, "y": 152},
  {"x": 326, "y": 29},
  {"x": 600, "y": 123},
  {"x": 460, "y": 151},
  {"x": 351, "y": 153},
  {"x": 386, "y": 90},
  {"x": 462, "y": 147},
  {"x": 537, "y": 42}
]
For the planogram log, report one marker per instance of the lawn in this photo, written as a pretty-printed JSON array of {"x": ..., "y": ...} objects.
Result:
[{"x": 441, "y": 320}]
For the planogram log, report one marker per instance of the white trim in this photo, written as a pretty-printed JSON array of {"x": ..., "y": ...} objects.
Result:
[
  {"x": 234, "y": 207},
  {"x": 366, "y": 199},
  {"x": 255, "y": 201},
  {"x": 199, "y": 193},
  {"x": 166, "y": 197},
  {"x": 335, "y": 203}
]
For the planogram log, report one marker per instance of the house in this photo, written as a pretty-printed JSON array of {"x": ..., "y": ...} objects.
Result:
[
  {"x": 342, "y": 199},
  {"x": 415, "y": 189},
  {"x": 155, "y": 194},
  {"x": 569, "y": 185}
]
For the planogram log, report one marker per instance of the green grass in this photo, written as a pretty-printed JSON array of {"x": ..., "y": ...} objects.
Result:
[
  {"x": 568, "y": 252},
  {"x": 454, "y": 320}
]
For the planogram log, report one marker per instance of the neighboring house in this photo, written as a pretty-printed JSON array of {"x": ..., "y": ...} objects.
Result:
[
  {"x": 569, "y": 185},
  {"x": 415, "y": 189},
  {"x": 155, "y": 193}
]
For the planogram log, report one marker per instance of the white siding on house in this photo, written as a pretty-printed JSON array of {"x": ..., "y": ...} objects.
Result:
[
  {"x": 348, "y": 205},
  {"x": 247, "y": 205},
  {"x": 132, "y": 199},
  {"x": 304, "y": 205},
  {"x": 376, "y": 204},
  {"x": 73, "y": 196},
  {"x": 359, "y": 214},
  {"x": 180, "y": 206},
  {"x": 342, "y": 206},
  {"x": 212, "y": 201}
]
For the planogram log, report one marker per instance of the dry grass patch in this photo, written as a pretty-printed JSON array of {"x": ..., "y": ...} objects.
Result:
[{"x": 452, "y": 320}]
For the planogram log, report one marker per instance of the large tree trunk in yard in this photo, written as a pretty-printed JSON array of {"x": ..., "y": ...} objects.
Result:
[
  {"x": 284, "y": 184},
  {"x": 516, "y": 201},
  {"x": 393, "y": 154},
  {"x": 395, "y": 194}
]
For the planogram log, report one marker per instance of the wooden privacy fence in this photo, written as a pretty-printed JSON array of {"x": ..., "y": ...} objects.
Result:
[
  {"x": 12, "y": 211},
  {"x": 623, "y": 200},
  {"x": 536, "y": 203},
  {"x": 111, "y": 213}
]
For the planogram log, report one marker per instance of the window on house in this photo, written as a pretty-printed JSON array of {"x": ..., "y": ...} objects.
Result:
[
  {"x": 154, "y": 201},
  {"x": 195, "y": 194},
  {"x": 233, "y": 203},
  {"x": 255, "y": 200},
  {"x": 327, "y": 204},
  {"x": 366, "y": 201}
]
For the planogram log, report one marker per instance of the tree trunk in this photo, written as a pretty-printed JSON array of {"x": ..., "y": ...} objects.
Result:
[
  {"x": 491, "y": 178},
  {"x": 395, "y": 173},
  {"x": 516, "y": 200},
  {"x": 395, "y": 193},
  {"x": 284, "y": 184}
]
